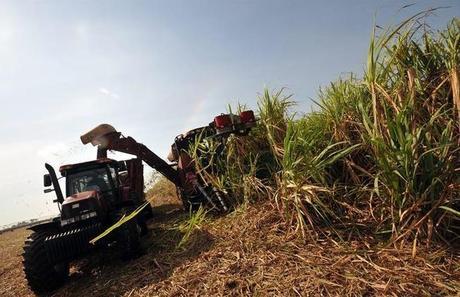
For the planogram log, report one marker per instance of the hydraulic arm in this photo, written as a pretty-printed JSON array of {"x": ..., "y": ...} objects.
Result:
[{"x": 107, "y": 138}]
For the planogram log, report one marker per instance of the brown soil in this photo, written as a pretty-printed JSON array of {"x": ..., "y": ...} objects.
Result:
[{"x": 246, "y": 253}]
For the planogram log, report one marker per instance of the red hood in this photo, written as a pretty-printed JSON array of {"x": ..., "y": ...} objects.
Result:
[{"x": 80, "y": 196}]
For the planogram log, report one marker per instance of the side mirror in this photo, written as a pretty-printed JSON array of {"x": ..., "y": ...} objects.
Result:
[{"x": 47, "y": 180}]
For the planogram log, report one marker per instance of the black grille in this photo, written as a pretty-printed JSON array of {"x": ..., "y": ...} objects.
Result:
[{"x": 70, "y": 244}]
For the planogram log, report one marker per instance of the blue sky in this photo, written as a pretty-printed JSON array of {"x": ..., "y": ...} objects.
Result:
[{"x": 154, "y": 69}]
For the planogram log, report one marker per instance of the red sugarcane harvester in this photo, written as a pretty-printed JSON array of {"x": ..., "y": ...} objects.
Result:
[{"x": 99, "y": 193}]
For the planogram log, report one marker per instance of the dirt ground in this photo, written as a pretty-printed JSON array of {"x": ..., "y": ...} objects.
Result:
[
  {"x": 101, "y": 273},
  {"x": 246, "y": 253},
  {"x": 12, "y": 281}
]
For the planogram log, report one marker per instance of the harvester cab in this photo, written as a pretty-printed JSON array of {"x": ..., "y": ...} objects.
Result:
[
  {"x": 95, "y": 189},
  {"x": 98, "y": 194}
]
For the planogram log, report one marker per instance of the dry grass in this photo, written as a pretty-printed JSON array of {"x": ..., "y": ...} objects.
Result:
[
  {"x": 252, "y": 255},
  {"x": 161, "y": 192},
  {"x": 247, "y": 253}
]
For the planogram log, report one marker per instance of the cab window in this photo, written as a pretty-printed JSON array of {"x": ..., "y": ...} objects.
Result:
[{"x": 91, "y": 180}]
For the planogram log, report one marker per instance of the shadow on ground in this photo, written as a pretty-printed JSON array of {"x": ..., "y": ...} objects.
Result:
[{"x": 104, "y": 274}]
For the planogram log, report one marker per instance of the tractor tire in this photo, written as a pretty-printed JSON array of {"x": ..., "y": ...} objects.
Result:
[
  {"x": 143, "y": 218},
  {"x": 142, "y": 222},
  {"x": 42, "y": 275},
  {"x": 128, "y": 238}
]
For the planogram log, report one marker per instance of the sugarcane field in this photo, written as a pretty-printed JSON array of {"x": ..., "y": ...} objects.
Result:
[{"x": 240, "y": 148}]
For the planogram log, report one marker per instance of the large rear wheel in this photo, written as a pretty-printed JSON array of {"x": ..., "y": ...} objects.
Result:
[
  {"x": 42, "y": 275},
  {"x": 128, "y": 236}
]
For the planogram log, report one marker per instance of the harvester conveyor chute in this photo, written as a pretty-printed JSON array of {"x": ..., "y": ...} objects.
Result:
[{"x": 107, "y": 138}]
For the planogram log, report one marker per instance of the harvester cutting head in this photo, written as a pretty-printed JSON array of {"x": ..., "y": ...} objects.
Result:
[{"x": 182, "y": 169}]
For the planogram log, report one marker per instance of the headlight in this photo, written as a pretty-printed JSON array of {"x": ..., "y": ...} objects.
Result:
[
  {"x": 83, "y": 217},
  {"x": 68, "y": 221},
  {"x": 88, "y": 215}
]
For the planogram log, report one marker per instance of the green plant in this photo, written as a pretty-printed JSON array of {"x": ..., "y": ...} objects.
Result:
[
  {"x": 381, "y": 154},
  {"x": 188, "y": 226}
]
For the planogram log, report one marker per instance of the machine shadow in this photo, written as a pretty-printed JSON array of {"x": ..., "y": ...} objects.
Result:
[{"x": 104, "y": 274}]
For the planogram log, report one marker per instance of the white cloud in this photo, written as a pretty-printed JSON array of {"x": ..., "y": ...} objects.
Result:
[
  {"x": 106, "y": 92},
  {"x": 82, "y": 30},
  {"x": 8, "y": 32},
  {"x": 53, "y": 150}
]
